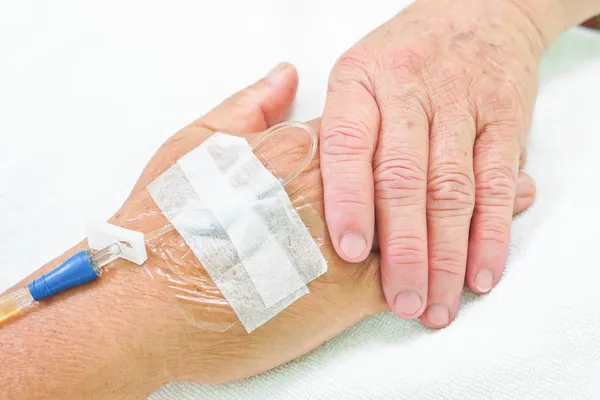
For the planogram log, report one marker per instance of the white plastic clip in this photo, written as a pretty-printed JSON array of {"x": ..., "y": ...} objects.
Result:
[{"x": 102, "y": 234}]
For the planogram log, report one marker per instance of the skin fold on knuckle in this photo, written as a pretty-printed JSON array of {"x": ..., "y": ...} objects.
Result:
[
  {"x": 404, "y": 254},
  {"x": 400, "y": 178},
  {"x": 352, "y": 68},
  {"x": 450, "y": 191},
  {"x": 346, "y": 138},
  {"x": 405, "y": 113},
  {"x": 490, "y": 227},
  {"x": 495, "y": 192},
  {"x": 344, "y": 178},
  {"x": 500, "y": 105},
  {"x": 447, "y": 260},
  {"x": 495, "y": 187},
  {"x": 356, "y": 60},
  {"x": 402, "y": 95},
  {"x": 347, "y": 194},
  {"x": 508, "y": 130}
]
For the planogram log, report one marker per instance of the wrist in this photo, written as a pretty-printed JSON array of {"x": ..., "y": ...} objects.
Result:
[{"x": 553, "y": 17}]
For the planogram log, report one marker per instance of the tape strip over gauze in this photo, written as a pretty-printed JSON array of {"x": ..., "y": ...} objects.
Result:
[{"x": 241, "y": 225}]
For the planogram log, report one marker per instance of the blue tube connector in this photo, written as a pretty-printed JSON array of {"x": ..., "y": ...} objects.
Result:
[{"x": 77, "y": 270}]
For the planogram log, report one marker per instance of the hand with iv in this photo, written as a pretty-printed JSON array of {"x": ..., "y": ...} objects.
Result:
[{"x": 122, "y": 337}]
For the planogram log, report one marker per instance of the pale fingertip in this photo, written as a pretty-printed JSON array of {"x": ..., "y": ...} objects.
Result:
[
  {"x": 438, "y": 315},
  {"x": 353, "y": 246},
  {"x": 278, "y": 75},
  {"x": 484, "y": 281},
  {"x": 407, "y": 304}
]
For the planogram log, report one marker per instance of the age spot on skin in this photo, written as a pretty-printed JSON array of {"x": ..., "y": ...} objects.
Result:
[
  {"x": 461, "y": 39},
  {"x": 464, "y": 36}
]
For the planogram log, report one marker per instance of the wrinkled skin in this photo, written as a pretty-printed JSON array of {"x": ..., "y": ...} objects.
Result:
[
  {"x": 139, "y": 339},
  {"x": 424, "y": 126}
]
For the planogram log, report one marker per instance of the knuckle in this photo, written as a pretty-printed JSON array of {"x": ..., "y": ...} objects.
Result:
[
  {"x": 351, "y": 195},
  {"x": 450, "y": 189},
  {"x": 347, "y": 137},
  {"x": 351, "y": 67},
  {"x": 452, "y": 134},
  {"x": 449, "y": 85},
  {"x": 404, "y": 250},
  {"x": 352, "y": 60},
  {"x": 493, "y": 228},
  {"x": 451, "y": 262},
  {"x": 403, "y": 70},
  {"x": 350, "y": 200},
  {"x": 496, "y": 186},
  {"x": 406, "y": 109},
  {"x": 499, "y": 134},
  {"x": 399, "y": 177},
  {"x": 500, "y": 101}
]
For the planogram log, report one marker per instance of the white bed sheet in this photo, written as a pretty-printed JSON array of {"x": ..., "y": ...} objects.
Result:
[{"x": 89, "y": 90}]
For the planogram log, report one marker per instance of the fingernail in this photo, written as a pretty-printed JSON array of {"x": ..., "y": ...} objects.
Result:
[
  {"x": 407, "y": 303},
  {"x": 438, "y": 314},
  {"x": 353, "y": 244},
  {"x": 276, "y": 74},
  {"x": 525, "y": 186},
  {"x": 484, "y": 280}
]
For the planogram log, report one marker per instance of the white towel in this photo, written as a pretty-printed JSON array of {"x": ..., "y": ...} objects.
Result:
[{"x": 75, "y": 73}]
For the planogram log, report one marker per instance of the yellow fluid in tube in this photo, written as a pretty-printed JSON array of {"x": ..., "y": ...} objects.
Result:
[{"x": 13, "y": 303}]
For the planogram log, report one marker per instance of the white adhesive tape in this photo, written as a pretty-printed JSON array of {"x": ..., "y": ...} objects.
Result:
[
  {"x": 262, "y": 256},
  {"x": 239, "y": 222}
]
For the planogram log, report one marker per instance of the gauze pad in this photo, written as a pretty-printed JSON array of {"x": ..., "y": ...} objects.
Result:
[{"x": 239, "y": 222}]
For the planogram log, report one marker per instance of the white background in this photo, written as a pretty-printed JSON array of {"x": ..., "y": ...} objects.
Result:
[{"x": 90, "y": 89}]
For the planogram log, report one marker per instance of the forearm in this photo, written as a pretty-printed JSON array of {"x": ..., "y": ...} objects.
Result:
[
  {"x": 553, "y": 17},
  {"x": 84, "y": 343}
]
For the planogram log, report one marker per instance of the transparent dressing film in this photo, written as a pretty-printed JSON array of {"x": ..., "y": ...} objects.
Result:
[{"x": 286, "y": 150}]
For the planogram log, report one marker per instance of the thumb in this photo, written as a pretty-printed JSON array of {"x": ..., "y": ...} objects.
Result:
[
  {"x": 253, "y": 109},
  {"x": 257, "y": 107}
]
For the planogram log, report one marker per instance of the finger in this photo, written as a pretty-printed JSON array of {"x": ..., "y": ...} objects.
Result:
[
  {"x": 525, "y": 193},
  {"x": 400, "y": 172},
  {"x": 450, "y": 202},
  {"x": 257, "y": 107},
  {"x": 496, "y": 160},
  {"x": 348, "y": 134}
]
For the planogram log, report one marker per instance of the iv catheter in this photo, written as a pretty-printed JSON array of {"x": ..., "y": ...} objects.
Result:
[
  {"x": 109, "y": 242},
  {"x": 106, "y": 243},
  {"x": 83, "y": 267}
]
